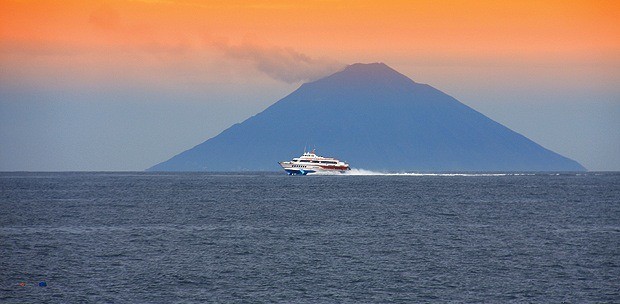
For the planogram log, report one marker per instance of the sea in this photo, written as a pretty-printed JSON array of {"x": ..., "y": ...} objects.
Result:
[{"x": 266, "y": 237}]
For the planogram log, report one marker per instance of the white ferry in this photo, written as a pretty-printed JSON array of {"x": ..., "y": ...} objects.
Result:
[{"x": 309, "y": 162}]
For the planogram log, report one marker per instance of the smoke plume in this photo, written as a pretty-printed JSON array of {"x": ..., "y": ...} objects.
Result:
[{"x": 284, "y": 64}]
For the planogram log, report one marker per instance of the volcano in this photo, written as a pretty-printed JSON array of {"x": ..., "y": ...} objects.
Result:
[{"x": 376, "y": 119}]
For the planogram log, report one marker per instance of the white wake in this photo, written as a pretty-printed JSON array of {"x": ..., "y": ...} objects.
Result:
[{"x": 363, "y": 172}]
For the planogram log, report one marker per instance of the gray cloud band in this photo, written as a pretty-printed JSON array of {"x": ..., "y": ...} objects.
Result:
[{"x": 284, "y": 64}]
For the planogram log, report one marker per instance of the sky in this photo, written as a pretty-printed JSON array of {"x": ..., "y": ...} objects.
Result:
[{"x": 123, "y": 85}]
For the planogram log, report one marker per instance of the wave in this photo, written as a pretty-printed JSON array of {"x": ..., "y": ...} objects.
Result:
[
  {"x": 370, "y": 172},
  {"x": 364, "y": 172}
]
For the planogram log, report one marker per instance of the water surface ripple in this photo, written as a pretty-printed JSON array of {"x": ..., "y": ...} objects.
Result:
[{"x": 266, "y": 237}]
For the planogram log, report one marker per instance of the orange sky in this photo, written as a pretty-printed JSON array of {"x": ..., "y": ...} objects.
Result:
[
  {"x": 230, "y": 59},
  {"x": 144, "y": 38}
]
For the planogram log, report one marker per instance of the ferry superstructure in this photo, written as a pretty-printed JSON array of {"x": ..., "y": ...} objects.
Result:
[{"x": 309, "y": 163}]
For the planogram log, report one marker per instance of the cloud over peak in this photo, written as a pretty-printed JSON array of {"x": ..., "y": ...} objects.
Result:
[{"x": 279, "y": 63}]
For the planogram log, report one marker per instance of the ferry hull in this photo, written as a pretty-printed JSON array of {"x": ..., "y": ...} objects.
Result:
[
  {"x": 298, "y": 171},
  {"x": 290, "y": 170}
]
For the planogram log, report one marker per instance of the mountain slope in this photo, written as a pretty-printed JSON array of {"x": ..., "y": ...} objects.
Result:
[{"x": 377, "y": 119}]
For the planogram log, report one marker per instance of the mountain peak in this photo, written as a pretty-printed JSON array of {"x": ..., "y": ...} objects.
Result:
[
  {"x": 367, "y": 73},
  {"x": 376, "y": 68},
  {"x": 368, "y": 67}
]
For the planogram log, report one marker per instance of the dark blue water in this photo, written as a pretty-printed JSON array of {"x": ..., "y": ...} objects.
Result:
[{"x": 182, "y": 238}]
